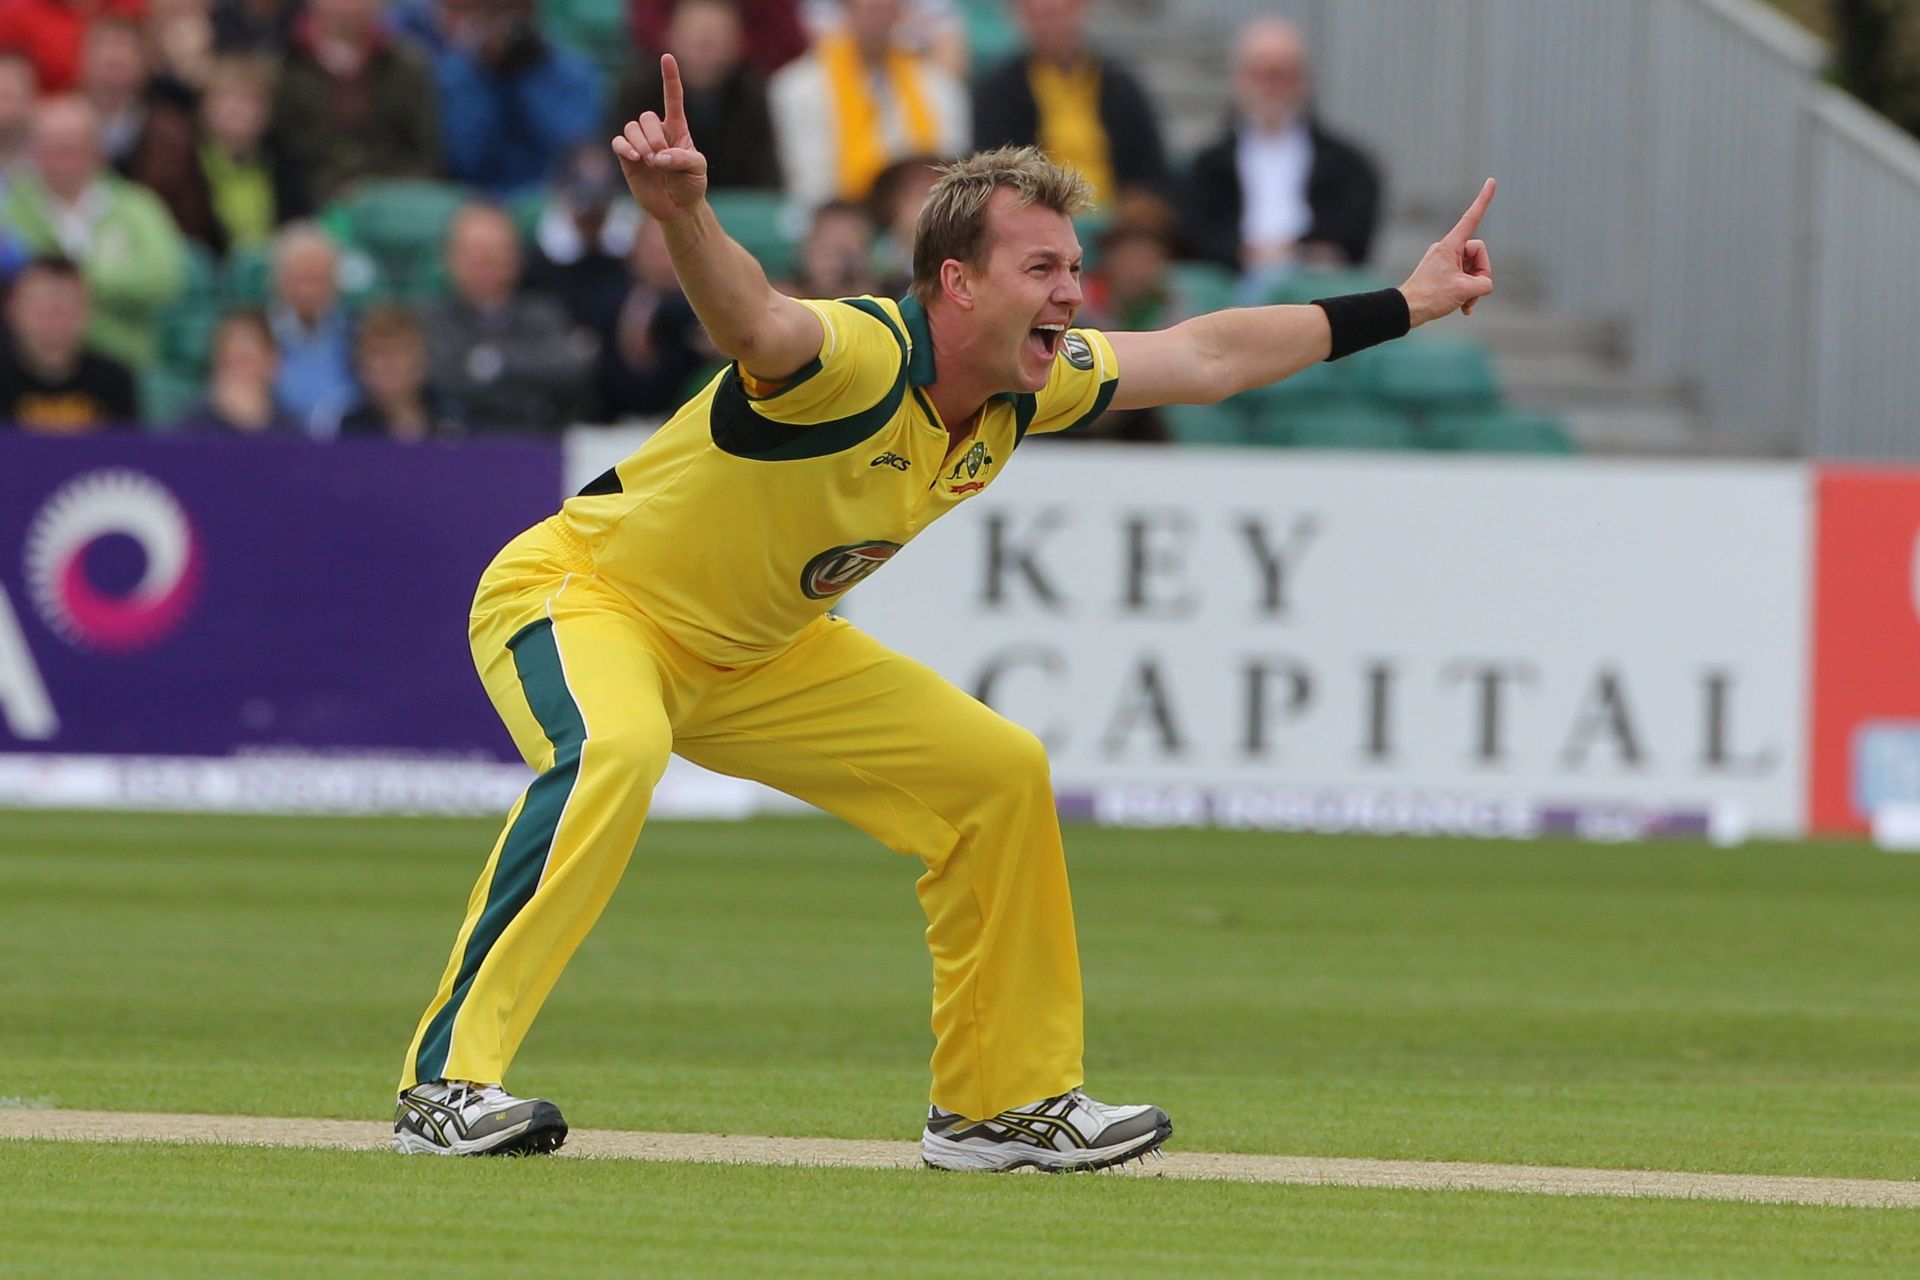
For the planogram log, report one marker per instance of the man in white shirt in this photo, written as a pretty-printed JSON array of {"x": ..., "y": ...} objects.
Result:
[{"x": 1276, "y": 192}]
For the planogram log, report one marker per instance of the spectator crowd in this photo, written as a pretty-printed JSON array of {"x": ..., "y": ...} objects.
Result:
[{"x": 401, "y": 218}]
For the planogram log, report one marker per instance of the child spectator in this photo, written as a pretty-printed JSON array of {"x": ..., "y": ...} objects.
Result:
[
  {"x": 836, "y": 258},
  {"x": 391, "y": 359},
  {"x": 232, "y": 154},
  {"x": 240, "y": 387},
  {"x": 49, "y": 381},
  {"x": 894, "y": 204}
]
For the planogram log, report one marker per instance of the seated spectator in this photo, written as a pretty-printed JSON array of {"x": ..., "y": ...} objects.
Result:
[
  {"x": 726, "y": 101},
  {"x": 181, "y": 44},
  {"x": 894, "y": 204},
  {"x": 774, "y": 33},
  {"x": 836, "y": 258},
  {"x": 1083, "y": 109},
  {"x": 49, "y": 381},
  {"x": 18, "y": 93},
  {"x": 657, "y": 346},
  {"x": 232, "y": 153},
  {"x": 310, "y": 328},
  {"x": 351, "y": 103},
  {"x": 584, "y": 235},
  {"x": 49, "y": 33},
  {"x": 857, "y": 101},
  {"x": 254, "y": 26},
  {"x": 240, "y": 396},
  {"x": 500, "y": 360},
  {"x": 512, "y": 98},
  {"x": 932, "y": 29},
  {"x": 147, "y": 129},
  {"x": 1275, "y": 191},
  {"x": 391, "y": 359},
  {"x": 119, "y": 234},
  {"x": 1132, "y": 288}
]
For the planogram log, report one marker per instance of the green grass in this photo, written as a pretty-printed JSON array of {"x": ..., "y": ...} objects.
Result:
[
  {"x": 198, "y": 1211},
  {"x": 1654, "y": 1006}
]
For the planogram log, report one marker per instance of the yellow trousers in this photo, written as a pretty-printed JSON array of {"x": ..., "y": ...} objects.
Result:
[{"x": 596, "y": 697}]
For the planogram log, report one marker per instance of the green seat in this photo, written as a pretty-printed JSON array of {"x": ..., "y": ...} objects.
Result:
[
  {"x": 1206, "y": 423},
  {"x": 165, "y": 394},
  {"x": 599, "y": 29},
  {"x": 184, "y": 329},
  {"x": 1204, "y": 286},
  {"x": 247, "y": 280},
  {"x": 203, "y": 274},
  {"x": 1500, "y": 431},
  {"x": 992, "y": 37},
  {"x": 758, "y": 220},
  {"x": 1349, "y": 425},
  {"x": 1304, "y": 286},
  {"x": 1312, "y": 386},
  {"x": 1435, "y": 374},
  {"x": 401, "y": 225}
]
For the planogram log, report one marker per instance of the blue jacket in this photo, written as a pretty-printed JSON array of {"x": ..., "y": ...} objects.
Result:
[{"x": 505, "y": 129}]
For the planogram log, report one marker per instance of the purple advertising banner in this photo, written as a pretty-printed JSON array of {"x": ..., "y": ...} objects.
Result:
[{"x": 218, "y": 597}]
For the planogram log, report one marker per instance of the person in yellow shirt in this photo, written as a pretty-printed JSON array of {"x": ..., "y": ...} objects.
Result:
[{"x": 680, "y": 603}]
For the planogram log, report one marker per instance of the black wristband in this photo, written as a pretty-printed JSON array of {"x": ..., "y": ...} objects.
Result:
[{"x": 1362, "y": 320}]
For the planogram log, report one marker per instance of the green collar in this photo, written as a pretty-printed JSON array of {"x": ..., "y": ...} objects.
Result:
[{"x": 920, "y": 370}]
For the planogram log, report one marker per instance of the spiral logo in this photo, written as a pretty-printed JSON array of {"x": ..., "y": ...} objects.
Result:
[{"x": 78, "y": 528}]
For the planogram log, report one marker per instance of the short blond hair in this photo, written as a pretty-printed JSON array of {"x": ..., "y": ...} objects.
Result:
[{"x": 953, "y": 222}]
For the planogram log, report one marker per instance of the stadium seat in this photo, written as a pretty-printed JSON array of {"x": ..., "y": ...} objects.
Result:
[
  {"x": 247, "y": 280},
  {"x": 1350, "y": 425},
  {"x": 600, "y": 29},
  {"x": 1304, "y": 286},
  {"x": 401, "y": 226},
  {"x": 165, "y": 394},
  {"x": 1206, "y": 423},
  {"x": 758, "y": 220},
  {"x": 1499, "y": 431},
  {"x": 992, "y": 37},
  {"x": 1435, "y": 374},
  {"x": 1205, "y": 286}
]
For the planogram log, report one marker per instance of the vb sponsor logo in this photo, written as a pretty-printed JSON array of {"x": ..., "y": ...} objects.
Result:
[
  {"x": 112, "y": 563},
  {"x": 837, "y": 568}
]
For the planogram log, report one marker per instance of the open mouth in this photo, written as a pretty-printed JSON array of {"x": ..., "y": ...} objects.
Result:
[{"x": 1045, "y": 339}]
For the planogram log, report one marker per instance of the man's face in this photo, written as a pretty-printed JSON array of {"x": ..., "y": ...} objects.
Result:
[
  {"x": 1028, "y": 290},
  {"x": 113, "y": 64},
  {"x": 304, "y": 278},
  {"x": 1270, "y": 82},
  {"x": 345, "y": 19},
  {"x": 705, "y": 39},
  {"x": 48, "y": 313},
  {"x": 65, "y": 150},
  {"x": 483, "y": 258},
  {"x": 871, "y": 22},
  {"x": 1056, "y": 29}
]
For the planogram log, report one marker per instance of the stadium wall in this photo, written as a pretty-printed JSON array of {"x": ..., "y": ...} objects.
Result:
[{"x": 1209, "y": 636}]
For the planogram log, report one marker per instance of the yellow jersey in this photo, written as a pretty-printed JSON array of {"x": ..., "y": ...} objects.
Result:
[{"x": 747, "y": 516}]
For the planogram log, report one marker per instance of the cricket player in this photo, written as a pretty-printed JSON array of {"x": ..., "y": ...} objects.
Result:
[{"x": 680, "y": 603}]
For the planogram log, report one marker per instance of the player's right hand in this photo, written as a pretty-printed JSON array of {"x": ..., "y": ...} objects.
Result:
[{"x": 665, "y": 172}]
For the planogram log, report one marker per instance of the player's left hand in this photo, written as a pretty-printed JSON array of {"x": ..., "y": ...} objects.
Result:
[
  {"x": 1456, "y": 271},
  {"x": 664, "y": 169}
]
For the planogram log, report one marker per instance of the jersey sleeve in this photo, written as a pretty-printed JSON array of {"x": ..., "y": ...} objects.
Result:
[
  {"x": 859, "y": 362},
  {"x": 1078, "y": 390}
]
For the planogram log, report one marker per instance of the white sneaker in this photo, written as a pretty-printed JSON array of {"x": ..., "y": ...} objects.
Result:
[
  {"x": 455, "y": 1118},
  {"x": 1070, "y": 1131}
]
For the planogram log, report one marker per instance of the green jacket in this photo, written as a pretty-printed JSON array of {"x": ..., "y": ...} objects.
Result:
[{"x": 135, "y": 263}]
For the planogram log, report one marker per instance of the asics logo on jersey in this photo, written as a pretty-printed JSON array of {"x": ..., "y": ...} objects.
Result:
[
  {"x": 837, "y": 568},
  {"x": 893, "y": 460}
]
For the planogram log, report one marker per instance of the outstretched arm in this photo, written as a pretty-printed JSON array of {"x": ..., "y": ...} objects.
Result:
[
  {"x": 1210, "y": 357},
  {"x": 770, "y": 334}
]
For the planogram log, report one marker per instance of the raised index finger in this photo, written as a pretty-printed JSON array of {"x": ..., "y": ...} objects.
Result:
[
  {"x": 676, "y": 113},
  {"x": 1470, "y": 220}
]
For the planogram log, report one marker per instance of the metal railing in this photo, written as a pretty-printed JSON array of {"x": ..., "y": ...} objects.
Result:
[{"x": 1674, "y": 163}]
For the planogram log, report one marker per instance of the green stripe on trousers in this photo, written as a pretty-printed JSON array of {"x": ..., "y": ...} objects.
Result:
[{"x": 524, "y": 853}]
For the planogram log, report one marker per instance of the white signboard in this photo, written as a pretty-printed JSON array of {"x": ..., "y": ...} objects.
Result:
[{"x": 1405, "y": 643}]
